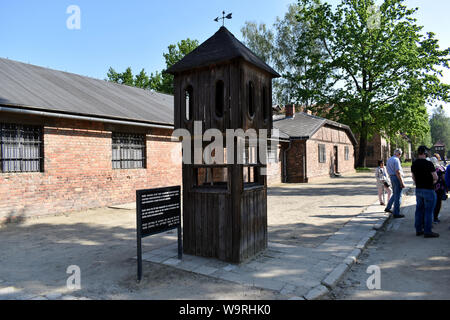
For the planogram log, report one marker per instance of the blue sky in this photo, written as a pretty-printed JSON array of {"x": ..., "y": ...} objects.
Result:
[{"x": 136, "y": 32}]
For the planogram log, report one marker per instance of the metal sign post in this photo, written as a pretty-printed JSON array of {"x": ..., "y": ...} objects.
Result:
[{"x": 157, "y": 211}]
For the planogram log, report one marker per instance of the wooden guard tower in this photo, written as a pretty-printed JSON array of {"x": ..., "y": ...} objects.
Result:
[{"x": 225, "y": 86}]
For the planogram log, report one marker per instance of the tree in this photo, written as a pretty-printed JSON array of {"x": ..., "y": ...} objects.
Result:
[
  {"x": 112, "y": 75},
  {"x": 260, "y": 39},
  {"x": 277, "y": 46},
  {"x": 378, "y": 70},
  {"x": 158, "y": 81},
  {"x": 127, "y": 77},
  {"x": 163, "y": 82},
  {"x": 141, "y": 80},
  {"x": 440, "y": 127}
]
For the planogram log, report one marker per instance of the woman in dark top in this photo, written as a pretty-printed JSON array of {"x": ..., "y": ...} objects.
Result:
[{"x": 439, "y": 188}]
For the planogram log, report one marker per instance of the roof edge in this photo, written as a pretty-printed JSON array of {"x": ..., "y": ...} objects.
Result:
[{"x": 88, "y": 117}]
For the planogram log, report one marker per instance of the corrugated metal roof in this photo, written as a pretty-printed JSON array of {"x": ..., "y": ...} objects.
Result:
[
  {"x": 222, "y": 46},
  {"x": 304, "y": 126},
  {"x": 40, "y": 88}
]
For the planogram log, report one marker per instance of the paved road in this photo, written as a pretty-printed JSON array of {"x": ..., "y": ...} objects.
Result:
[{"x": 411, "y": 267}]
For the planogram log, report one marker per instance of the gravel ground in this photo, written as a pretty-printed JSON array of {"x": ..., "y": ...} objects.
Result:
[{"x": 35, "y": 253}]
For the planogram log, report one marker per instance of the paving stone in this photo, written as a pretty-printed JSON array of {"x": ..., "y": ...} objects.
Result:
[
  {"x": 229, "y": 267},
  {"x": 25, "y": 297},
  {"x": 205, "y": 270},
  {"x": 187, "y": 266},
  {"x": 296, "y": 298},
  {"x": 268, "y": 284},
  {"x": 316, "y": 293},
  {"x": 287, "y": 289},
  {"x": 301, "y": 291},
  {"x": 172, "y": 262},
  {"x": 234, "y": 277},
  {"x": 53, "y": 296},
  {"x": 156, "y": 259},
  {"x": 147, "y": 255}
]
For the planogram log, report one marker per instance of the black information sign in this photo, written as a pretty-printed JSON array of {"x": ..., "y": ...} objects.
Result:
[{"x": 157, "y": 210}]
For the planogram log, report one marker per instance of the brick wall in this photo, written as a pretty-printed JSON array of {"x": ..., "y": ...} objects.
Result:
[
  {"x": 379, "y": 150},
  {"x": 78, "y": 170},
  {"x": 330, "y": 137},
  {"x": 274, "y": 169}
]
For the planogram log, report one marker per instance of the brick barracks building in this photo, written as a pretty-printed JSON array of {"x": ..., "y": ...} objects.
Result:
[
  {"x": 311, "y": 147},
  {"x": 70, "y": 143}
]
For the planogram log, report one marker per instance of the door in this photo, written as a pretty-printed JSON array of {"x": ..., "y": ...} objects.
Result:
[{"x": 336, "y": 159}]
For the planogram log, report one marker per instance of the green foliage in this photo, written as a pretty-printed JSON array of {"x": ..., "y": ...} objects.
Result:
[
  {"x": 440, "y": 127},
  {"x": 163, "y": 82},
  {"x": 407, "y": 164},
  {"x": 260, "y": 39},
  {"x": 159, "y": 81},
  {"x": 375, "y": 75},
  {"x": 141, "y": 80},
  {"x": 277, "y": 46}
]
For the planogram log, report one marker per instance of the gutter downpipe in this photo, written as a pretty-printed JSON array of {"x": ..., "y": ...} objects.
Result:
[
  {"x": 285, "y": 161},
  {"x": 86, "y": 118}
]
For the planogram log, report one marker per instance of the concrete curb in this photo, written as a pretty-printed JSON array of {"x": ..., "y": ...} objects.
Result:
[
  {"x": 352, "y": 257},
  {"x": 316, "y": 293},
  {"x": 332, "y": 279},
  {"x": 334, "y": 276}
]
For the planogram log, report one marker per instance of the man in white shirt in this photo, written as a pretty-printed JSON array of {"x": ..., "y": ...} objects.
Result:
[{"x": 395, "y": 172}]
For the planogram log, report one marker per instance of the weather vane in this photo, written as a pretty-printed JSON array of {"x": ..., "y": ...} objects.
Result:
[{"x": 228, "y": 16}]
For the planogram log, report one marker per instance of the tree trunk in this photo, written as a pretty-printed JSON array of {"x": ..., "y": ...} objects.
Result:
[{"x": 361, "y": 162}]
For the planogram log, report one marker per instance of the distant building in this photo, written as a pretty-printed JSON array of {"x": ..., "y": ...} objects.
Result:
[
  {"x": 377, "y": 149},
  {"x": 310, "y": 147},
  {"x": 439, "y": 148}
]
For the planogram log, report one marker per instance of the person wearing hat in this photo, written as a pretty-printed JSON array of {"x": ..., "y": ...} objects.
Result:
[{"x": 424, "y": 176}]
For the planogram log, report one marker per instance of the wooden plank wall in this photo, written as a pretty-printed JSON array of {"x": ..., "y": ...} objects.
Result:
[
  {"x": 209, "y": 229},
  {"x": 254, "y": 223}
]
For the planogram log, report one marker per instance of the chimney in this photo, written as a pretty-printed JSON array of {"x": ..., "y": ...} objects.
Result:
[{"x": 290, "y": 110}]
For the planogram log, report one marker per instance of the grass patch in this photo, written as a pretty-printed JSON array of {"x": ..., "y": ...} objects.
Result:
[
  {"x": 407, "y": 164},
  {"x": 363, "y": 170}
]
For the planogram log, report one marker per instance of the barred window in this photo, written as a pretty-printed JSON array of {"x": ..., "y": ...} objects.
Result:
[
  {"x": 128, "y": 151},
  {"x": 322, "y": 154},
  {"x": 21, "y": 148},
  {"x": 346, "y": 153}
]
